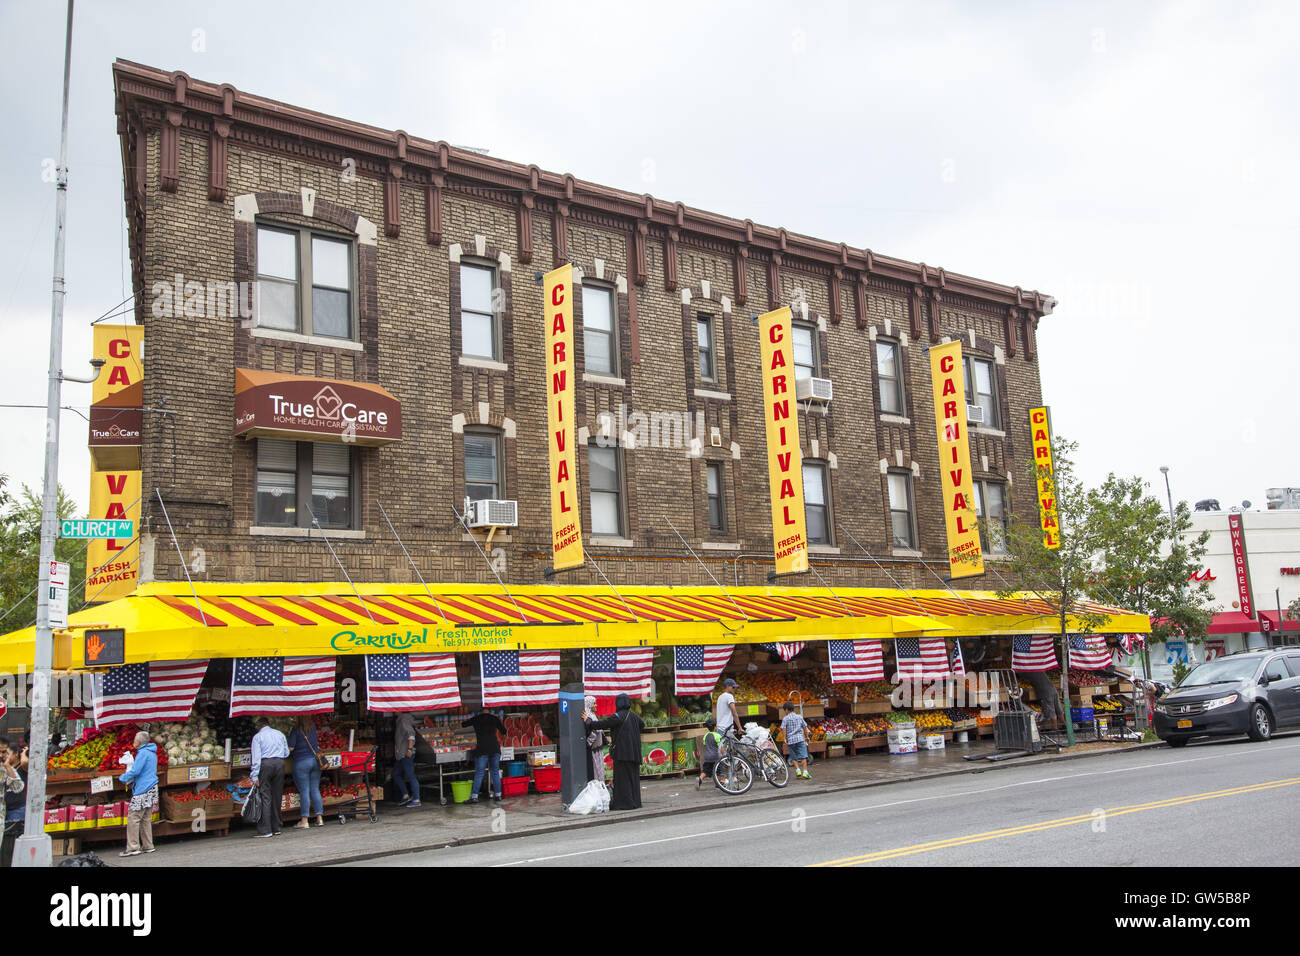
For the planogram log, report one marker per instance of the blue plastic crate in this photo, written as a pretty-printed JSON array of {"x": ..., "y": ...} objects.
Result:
[
  {"x": 515, "y": 768},
  {"x": 1082, "y": 714}
]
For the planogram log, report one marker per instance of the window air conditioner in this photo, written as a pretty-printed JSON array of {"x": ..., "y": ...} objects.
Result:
[
  {"x": 974, "y": 415},
  {"x": 813, "y": 389},
  {"x": 492, "y": 513}
]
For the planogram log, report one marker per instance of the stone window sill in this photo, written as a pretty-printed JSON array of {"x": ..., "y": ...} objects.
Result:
[
  {"x": 606, "y": 542},
  {"x": 905, "y": 553},
  {"x": 322, "y": 340},
  {"x": 894, "y": 419},
  {"x": 337, "y": 534},
  {"x": 597, "y": 379},
  {"x": 823, "y": 549},
  {"x": 990, "y": 432},
  {"x": 720, "y": 546},
  {"x": 474, "y": 361},
  {"x": 714, "y": 396}
]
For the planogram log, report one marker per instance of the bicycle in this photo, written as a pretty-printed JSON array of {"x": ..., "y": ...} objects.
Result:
[{"x": 741, "y": 759}]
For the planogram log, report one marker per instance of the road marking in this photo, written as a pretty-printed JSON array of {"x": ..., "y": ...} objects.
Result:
[
  {"x": 785, "y": 821},
  {"x": 1054, "y": 824}
]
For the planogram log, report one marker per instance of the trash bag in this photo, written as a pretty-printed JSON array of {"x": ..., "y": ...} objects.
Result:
[
  {"x": 594, "y": 798},
  {"x": 88, "y": 858},
  {"x": 756, "y": 735}
]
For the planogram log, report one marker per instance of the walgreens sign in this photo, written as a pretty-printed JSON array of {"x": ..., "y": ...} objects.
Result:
[{"x": 1246, "y": 602}]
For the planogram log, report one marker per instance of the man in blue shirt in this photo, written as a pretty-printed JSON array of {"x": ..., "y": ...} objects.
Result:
[{"x": 270, "y": 748}]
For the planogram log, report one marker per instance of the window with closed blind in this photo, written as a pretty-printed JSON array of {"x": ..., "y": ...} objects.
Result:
[
  {"x": 483, "y": 465},
  {"x": 319, "y": 474}
]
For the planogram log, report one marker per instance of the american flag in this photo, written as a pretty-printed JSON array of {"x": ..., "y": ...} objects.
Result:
[
  {"x": 1131, "y": 643},
  {"x": 854, "y": 660},
  {"x": 1033, "y": 652},
  {"x": 785, "y": 651},
  {"x": 282, "y": 685},
  {"x": 411, "y": 682},
  {"x": 520, "y": 677},
  {"x": 696, "y": 667},
  {"x": 617, "y": 670},
  {"x": 921, "y": 657},
  {"x": 157, "y": 690},
  {"x": 958, "y": 660},
  {"x": 1089, "y": 652}
]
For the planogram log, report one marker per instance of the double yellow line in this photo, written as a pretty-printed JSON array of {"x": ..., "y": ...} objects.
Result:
[{"x": 1054, "y": 824}]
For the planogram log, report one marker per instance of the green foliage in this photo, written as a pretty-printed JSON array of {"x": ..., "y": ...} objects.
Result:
[
  {"x": 20, "y": 552},
  {"x": 1145, "y": 560},
  {"x": 1059, "y": 576},
  {"x": 1292, "y": 612},
  {"x": 1181, "y": 669}
]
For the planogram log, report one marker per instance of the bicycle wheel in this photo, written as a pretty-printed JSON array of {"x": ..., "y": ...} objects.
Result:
[
  {"x": 775, "y": 770},
  {"x": 733, "y": 775}
]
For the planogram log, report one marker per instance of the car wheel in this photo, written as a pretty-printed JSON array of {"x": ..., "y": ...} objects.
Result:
[
  {"x": 1260, "y": 723},
  {"x": 1177, "y": 741}
]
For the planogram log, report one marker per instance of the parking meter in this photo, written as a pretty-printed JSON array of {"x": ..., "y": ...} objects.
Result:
[{"x": 574, "y": 765}]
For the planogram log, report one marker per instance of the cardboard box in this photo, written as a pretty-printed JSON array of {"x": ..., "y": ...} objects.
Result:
[
  {"x": 931, "y": 742},
  {"x": 547, "y": 758},
  {"x": 111, "y": 814},
  {"x": 81, "y": 818},
  {"x": 56, "y": 821},
  {"x": 902, "y": 740},
  {"x": 835, "y": 750},
  {"x": 61, "y": 846}
]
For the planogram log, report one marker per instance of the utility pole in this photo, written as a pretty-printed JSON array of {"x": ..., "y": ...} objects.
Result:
[{"x": 33, "y": 847}]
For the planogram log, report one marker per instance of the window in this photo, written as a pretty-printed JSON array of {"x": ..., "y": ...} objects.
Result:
[
  {"x": 317, "y": 472},
  {"x": 990, "y": 503},
  {"x": 1276, "y": 670},
  {"x": 304, "y": 282},
  {"x": 478, "y": 324},
  {"x": 605, "y": 471},
  {"x": 713, "y": 490},
  {"x": 705, "y": 348},
  {"x": 482, "y": 466},
  {"x": 817, "y": 512},
  {"x": 598, "y": 340},
  {"x": 277, "y": 483},
  {"x": 805, "y": 352},
  {"x": 889, "y": 376},
  {"x": 979, "y": 389},
  {"x": 902, "y": 527}
]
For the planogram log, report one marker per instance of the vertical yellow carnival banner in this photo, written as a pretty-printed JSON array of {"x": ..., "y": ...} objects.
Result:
[
  {"x": 566, "y": 518},
  {"x": 113, "y": 564},
  {"x": 965, "y": 557},
  {"x": 120, "y": 347},
  {"x": 1040, "y": 431},
  {"x": 784, "y": 461}
]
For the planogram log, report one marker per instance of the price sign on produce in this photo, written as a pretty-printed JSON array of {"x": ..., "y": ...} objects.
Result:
[
  {"x": 200, "y": 772},
  {"x": 101, "y": 784}
]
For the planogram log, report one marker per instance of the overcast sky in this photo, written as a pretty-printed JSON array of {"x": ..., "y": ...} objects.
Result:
[{"x": 1130, "y": 159}]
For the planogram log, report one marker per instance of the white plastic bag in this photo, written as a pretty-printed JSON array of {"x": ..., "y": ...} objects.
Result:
[
  {"x": 756, "y": 735},
  {"x": 594, "y": 798}
]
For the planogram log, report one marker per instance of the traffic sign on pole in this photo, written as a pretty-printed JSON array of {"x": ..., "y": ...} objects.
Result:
[
  {"x": 59, "y": 575},
  {"x": 97, "y": 528}
]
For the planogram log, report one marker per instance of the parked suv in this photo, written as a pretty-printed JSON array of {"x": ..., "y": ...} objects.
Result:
[{"x": 1252, "y": 693}]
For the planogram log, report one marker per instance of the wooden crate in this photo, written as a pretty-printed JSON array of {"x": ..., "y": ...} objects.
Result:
[
  {"x": 845, "y": 706},
  {"x": 195, "y": 772},
  {"x": 874, "y": 742}
]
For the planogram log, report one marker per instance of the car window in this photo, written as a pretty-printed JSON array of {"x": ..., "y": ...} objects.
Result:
[
  {"x": 1293, "y": 662},
  {"x": 1276, "y": 670}
]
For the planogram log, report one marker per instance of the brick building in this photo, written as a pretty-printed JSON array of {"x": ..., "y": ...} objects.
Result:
[{"x": 406, "y": 271}]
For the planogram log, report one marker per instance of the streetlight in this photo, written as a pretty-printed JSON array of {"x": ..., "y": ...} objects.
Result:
[{"x": 1164, "y": 470}]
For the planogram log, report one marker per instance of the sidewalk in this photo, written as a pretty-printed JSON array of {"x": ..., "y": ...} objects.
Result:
[{"x": 432, "y": 826}]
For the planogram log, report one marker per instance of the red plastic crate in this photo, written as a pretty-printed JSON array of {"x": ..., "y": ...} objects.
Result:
[
  {"x": 546, "y": 779},
  {"x": 355, "y": 761},
  {"x": 514, "y": 786}
]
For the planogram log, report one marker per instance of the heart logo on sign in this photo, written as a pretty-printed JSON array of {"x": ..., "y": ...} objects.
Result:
[{"x": 327, "y": 402}]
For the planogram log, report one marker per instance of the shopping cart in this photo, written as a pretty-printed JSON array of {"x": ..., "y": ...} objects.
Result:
[{"x": 357, "y": 762}]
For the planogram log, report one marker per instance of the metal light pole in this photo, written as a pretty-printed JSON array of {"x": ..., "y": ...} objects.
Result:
[{"x": 33, "y": 847}]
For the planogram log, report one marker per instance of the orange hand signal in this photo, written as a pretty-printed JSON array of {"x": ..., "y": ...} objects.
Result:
[{"x": 93, "y": 647}]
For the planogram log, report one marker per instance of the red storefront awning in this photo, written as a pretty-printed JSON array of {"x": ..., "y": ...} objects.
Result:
[{"x": 1233, "y": 622}]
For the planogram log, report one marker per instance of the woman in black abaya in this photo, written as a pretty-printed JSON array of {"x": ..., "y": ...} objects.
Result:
[{"x": 625, "y": 727}]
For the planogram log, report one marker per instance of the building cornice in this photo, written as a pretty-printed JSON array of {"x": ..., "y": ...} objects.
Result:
[{"x": 147, "y": 95}]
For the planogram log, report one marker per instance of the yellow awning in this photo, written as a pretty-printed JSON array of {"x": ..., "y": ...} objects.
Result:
[{"x": 166, "y": 621}]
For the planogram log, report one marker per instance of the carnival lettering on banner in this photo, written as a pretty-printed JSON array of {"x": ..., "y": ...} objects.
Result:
[
  {"x": 965, "y": 556},
  {"x": 1236, "y": 533},
  {"x": 566, "y": 520},
  {"x": 784, "y": 460},
  {"x": 1040, "y": 431}
]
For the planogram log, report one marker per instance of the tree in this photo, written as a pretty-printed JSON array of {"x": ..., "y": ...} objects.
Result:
[
  {"x": 1292, "y": 611},
  {"x": 1058, "y": 576},
  {"x": 20, "y": 555},
  {"x": 1146, "y": 559}
]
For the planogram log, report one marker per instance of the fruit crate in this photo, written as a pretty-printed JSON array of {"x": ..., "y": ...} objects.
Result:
[
  {"x": 871, "y": 742},
  {"x": 195, "y": 772},
  {"x": 845, "y": 706}
]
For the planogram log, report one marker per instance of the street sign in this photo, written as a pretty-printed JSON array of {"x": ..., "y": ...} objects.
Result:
[
  {"x": 106, "y": 648},
  {"x": 97, "y": 528},
  {"x": 59, "y": 574}
]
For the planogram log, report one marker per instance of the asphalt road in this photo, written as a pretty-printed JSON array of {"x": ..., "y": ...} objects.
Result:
[{"x": 1230, "y": 803}]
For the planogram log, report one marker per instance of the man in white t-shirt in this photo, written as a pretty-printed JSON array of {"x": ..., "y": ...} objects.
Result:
[{"x": 727, "y": 718}]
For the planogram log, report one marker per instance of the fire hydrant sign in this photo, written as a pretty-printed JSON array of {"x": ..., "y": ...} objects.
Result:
[{"x": 59, "y": 574}]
